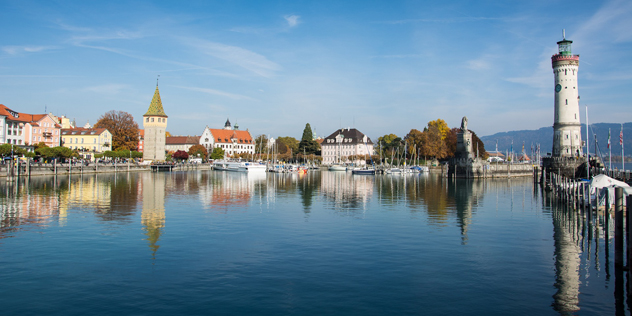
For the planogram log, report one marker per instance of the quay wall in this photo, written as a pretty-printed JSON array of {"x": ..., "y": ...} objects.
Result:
[{"x": 66, "y": 169}]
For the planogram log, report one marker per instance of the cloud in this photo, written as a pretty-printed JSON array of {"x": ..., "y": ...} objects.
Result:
[
  {"x": 613, "y": 21},
  {"x": 219, "y": 93},
  {"x": 292, "y": 20},
  {"x": 107, "y": 88},
  {"x": 445, "y": 20},
  {"x": 14, "y": 50},
  {"x": 241, "y": 57}
]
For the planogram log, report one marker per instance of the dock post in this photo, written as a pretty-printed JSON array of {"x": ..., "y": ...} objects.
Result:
[
  {"x": 618, "y": 227},
  {"x": 628, "y": 234}
]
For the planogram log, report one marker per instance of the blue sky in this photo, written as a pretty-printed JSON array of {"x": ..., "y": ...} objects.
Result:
[{"x": 273, "y": 66}]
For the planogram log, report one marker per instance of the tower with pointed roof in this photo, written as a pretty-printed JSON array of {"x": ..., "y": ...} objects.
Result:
[{"x": 155, "y": 125}]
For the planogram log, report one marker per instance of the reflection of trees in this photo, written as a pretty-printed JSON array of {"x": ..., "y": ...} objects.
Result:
[
  {"x": 308, "y": 188},
  {"x": 123, "y": 198}
]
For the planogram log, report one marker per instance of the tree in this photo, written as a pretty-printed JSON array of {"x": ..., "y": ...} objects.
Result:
[
  {"x": 308, "y": 145},
  {"x": 414, "y": 139},
  {"x": 287, "y": 145},
  {"x": 217, "y": 153},
  {"x": 389, "y": 144},
  {"x": 123, "y": 128},
  {"x": 261, "y": 143},
  {"x": 196, "y": 150},
  {"x": 180, "y": 155}
]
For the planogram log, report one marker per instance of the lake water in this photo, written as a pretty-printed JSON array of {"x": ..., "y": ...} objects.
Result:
[{"x": 217, "y": 243}]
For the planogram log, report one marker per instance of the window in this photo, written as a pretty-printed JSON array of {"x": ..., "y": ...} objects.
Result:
[
  {"x": 152, "y": 119},
  {"x": 146, "y": 119},
  {"x": 566, "y": 101}
]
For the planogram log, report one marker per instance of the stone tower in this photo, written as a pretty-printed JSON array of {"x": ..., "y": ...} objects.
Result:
[
  {"x": 155, "y": 125},
  {"x": 567, "y": 139}
]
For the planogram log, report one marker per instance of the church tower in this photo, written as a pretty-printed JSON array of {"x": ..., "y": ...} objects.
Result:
[
  {"x": 567, "y": 140},
  {"x": 155, "y": 125}
]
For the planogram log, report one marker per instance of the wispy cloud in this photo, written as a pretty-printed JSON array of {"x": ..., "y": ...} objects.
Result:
[
  {"x": 218, "y": 93},
  {"x": 292, "y": 20},
  {"x": 107, "y": 88},
  {"x": 241, "y": 57},
  {"x": 465, "y": 19},
  {"x": 612, "y": 21},
  {"x": 401, "y": 56},
  {"x": 15, "y": 50}
]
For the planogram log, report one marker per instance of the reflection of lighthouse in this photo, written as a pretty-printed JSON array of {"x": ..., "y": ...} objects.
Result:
[
  {"x": 567, "y": 263},
  {"x": 153, "y": 215}
]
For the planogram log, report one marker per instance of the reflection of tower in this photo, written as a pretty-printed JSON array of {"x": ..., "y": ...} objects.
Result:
[
  {"x": 566, "y": 127},
  {"x": 567, "y": 263},
  {"x": 153, "y": 215},
  {"x": 155, "y": 125}
]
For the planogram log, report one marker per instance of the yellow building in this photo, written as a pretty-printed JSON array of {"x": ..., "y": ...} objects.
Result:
[{"x": 88, "y": 141}]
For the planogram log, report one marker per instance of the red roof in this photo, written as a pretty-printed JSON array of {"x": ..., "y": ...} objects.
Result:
[
  {"x": 82, "y": 131},
  {"x": 226, "y": 136},
  {"x": 23, "y": 117}
]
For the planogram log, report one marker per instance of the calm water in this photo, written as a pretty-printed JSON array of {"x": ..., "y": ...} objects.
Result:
[{"x": 327, "y": 243}]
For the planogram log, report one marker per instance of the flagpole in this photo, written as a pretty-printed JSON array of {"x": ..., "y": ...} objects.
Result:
[
  {"x": 622, "y": 152},
  {"x": 609, "y": 155},
  {"x": 587, "y": 148}
]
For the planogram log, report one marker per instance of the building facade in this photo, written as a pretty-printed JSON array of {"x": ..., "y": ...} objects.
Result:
[
  {"x": 87, "y": 141},
  {"x": 184, "y": 143},
  {"x": 24, "y": 129},
  {"x": 155, "y": 126},
  {"x": 567, "y": 139},
  {"x": 231, "y": 140},
  {"x": 346, "y": 145}
]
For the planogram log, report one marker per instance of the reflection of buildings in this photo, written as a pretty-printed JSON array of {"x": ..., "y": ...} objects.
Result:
[
  {"x": 347, "y": 190},
  {"x": 19, "y": 207},
  {"x": 87, "y": 192},
  {"x": 230, "y": 189},
  {"x": 466, "y": 197},
  {"x": 152, "y": 186}
]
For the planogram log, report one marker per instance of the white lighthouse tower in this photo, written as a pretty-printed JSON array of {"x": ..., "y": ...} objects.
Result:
[{"x": 567, "y": 140}]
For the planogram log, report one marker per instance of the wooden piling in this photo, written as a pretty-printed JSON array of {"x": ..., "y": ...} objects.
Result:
[
  {"x": 618, "y": 227},
  {"x": 628, "y": 233}
]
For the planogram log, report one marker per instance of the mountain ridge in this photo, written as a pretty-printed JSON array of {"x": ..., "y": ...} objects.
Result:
[{"x": 544, "y": 137}]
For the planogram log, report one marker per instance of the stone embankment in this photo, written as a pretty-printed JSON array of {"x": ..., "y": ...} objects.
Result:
[{"x": 93, "y": 168}]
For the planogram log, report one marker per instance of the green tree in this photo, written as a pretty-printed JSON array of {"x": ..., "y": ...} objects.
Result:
[
  {"x": 308, "y": 145},
  {"x": 261, "y": 143},
  {"x": 196, "y": 150},
  {"x": 287, "y": 145},
  {"x": 123, "y": 128},
  {"x": 217, "y": 153}
]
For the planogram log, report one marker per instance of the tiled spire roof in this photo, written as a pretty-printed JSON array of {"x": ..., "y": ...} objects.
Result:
[{"x": 155, "y": 108}]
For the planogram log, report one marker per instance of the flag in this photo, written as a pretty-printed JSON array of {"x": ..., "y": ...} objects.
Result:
[
  {"x": 608, "y": 138},
  {"x": 621, "y": 136}
]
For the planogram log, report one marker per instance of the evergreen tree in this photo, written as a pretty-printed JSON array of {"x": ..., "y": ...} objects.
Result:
[{"x": 308, "y": 145}]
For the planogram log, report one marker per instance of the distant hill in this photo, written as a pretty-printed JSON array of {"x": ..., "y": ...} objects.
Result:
[{"x": 544, "y": 137}]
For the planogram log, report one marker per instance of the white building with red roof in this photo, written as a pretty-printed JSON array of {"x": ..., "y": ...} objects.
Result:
[{"x": 231, "y": 140}]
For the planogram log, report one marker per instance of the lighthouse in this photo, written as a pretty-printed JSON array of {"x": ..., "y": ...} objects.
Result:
[{"x": 567, "y": 140}]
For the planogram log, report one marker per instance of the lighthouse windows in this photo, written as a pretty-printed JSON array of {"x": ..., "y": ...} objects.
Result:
[
  {"x": 566, "y": 101},
  {"x": 565, "y": 72}
]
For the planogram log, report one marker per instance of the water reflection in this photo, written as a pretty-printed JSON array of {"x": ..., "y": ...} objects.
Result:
[
  {"x": 153, "y": 191},
  {"x": 453, "y": 206}
]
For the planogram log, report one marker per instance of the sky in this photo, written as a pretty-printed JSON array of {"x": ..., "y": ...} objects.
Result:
[{"x": 272, "y": 66}]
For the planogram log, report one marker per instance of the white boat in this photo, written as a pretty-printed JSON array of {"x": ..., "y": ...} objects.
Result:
[
  {"x": 238, "y": 166},
  {"x": 393, "y": 170},
  {"x": 337, "y": 168}
]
